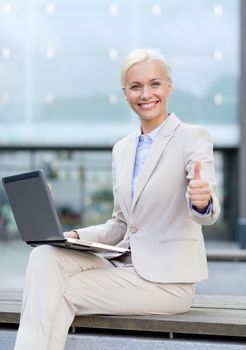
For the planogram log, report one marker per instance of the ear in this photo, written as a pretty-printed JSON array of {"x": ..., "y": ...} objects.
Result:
[
  {"x": 170, "y": 87},
  {"x": 124, "y": 92}
]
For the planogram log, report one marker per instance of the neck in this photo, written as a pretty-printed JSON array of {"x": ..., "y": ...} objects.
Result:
[{"x": 149, "y": 125}]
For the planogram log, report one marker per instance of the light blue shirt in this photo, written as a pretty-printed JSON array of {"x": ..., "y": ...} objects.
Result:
[
  {"x": 144, "y": 143},
  {"x": 143, "y": 147}
]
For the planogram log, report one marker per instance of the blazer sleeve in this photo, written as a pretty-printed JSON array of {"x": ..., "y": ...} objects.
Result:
[
  {"x": 113, "y": 231},
  {"x": 199, "y": 146}
]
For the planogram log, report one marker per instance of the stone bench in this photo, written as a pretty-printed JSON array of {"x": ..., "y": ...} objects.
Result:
[{"x": 210, "y": 315}]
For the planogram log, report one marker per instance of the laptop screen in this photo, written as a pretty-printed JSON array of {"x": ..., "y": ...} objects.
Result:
[{"x": 33, "y": 208}]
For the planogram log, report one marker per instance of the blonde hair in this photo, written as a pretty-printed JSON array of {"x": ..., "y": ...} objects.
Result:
[{"x": 141, "y": 55}]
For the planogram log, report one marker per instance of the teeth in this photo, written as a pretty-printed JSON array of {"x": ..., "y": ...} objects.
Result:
[{"x": 148, "y": 105}]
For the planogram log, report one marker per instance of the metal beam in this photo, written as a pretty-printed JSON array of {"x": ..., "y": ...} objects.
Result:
[{"x": 242, "y": 148}]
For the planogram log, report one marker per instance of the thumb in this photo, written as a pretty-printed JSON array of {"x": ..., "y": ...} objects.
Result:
[{"x": 197, "y": 170}]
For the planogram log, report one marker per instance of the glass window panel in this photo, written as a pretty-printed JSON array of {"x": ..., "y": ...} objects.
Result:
[{"x": 59, "y": 65}]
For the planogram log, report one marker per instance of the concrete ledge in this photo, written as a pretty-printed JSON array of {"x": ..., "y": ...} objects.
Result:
[
  {"x": 202, "y": 321},
  {"x": 87, "y": 341},
  {"x": 210, "y": 315},
  {"x": 226, "y": 254}
]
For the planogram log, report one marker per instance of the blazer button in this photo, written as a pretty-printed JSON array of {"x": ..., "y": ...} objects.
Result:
[{"x": 133, "y": 229}]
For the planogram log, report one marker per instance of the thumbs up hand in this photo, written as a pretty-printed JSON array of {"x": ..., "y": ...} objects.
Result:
[{"x": 198, "y": 190}]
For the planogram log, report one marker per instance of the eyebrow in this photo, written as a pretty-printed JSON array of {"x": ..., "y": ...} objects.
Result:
[{"x": 138, "y": 82}]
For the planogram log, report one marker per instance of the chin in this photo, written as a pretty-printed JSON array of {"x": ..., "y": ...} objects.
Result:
[{"x": 148, "y": 117}]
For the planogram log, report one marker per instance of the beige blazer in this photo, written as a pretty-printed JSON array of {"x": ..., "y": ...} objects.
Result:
[{"x": 158, "y": 223}]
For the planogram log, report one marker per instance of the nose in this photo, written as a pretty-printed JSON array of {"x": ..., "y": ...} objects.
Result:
[{"x": 146, "y": 92}]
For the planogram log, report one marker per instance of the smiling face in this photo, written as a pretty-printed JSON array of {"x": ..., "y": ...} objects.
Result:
[{"x": 147, "y": 88}]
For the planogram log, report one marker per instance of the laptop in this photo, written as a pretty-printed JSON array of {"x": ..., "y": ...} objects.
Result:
[{"x": 34, "y": 211}]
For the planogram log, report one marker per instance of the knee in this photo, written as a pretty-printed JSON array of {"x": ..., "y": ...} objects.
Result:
[{"x": 44, "y": 254}]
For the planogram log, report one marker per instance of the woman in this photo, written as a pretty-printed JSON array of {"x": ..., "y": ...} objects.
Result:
[{"x": 163, "y": 180}]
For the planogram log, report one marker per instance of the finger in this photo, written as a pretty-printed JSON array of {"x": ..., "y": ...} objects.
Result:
[
  {"x": 199, "y": 197},
  {"x": 199, "y": 190},
  {"x": 69, "y": 234},
  {"x": 198, "y": 183},
  {"x": 200, "y": 204},
  {"x": 197, "y": 170}
]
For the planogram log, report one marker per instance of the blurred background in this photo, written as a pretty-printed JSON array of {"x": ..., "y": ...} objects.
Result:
[{"x": 62, "y": 109}]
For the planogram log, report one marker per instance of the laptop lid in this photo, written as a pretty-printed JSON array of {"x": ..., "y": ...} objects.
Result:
[{"x": 33, "y": 208}]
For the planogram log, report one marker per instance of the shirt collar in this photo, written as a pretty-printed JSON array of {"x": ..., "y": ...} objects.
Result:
[{"x": 152, "y": 135}]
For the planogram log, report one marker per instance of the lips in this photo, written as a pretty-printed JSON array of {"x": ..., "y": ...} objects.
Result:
[{"x": 149, "y": 105}]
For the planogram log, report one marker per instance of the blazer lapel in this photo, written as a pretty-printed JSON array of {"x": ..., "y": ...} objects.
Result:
[
  {"x": 128, "y": 161},
  {"x": 157, "y": 148}
]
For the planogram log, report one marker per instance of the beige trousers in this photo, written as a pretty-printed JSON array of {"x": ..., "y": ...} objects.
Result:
[{"x": 61, "y": 283}]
